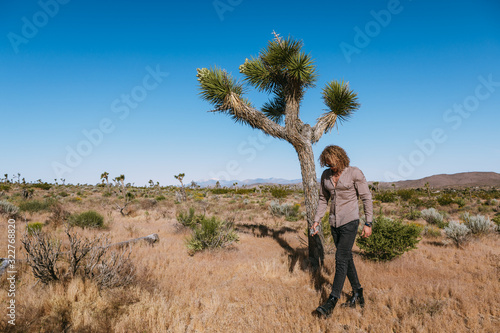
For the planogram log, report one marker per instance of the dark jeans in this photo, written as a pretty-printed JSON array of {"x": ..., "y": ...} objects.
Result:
[{"x": 344, "y": 237}]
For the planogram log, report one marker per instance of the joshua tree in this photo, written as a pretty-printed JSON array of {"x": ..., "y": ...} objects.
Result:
[
  {"x": 104, "y": 176},
  {"x": 285, "y": 72},
  {"x": 179, "y": 177},
  {"x": 121, "y": 180}
]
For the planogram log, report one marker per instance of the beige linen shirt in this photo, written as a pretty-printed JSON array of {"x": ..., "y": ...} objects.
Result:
[{"x": 351, "y": 186}]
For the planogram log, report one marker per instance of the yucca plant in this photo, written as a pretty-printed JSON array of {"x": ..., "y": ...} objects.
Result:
[{"x": 284, "y": 72}]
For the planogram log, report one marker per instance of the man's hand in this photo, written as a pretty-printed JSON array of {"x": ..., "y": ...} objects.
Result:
[
  {"x": 314, "y": 229},
  {"x": 367, "y": 231}
]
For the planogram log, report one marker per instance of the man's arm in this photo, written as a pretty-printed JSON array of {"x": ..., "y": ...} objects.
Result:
[
  {"x": 366, "y": 196},
  {"x": 324, "y": 196}
]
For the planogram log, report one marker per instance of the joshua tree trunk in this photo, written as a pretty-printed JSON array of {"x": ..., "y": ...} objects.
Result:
[{"x": 310, "y": 186}]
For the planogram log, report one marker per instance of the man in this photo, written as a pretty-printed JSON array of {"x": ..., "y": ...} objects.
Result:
[{"x": 343, "y": 185}]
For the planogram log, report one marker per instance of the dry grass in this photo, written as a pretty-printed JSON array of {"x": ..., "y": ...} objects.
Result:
[{"x": 259, "y": 285}]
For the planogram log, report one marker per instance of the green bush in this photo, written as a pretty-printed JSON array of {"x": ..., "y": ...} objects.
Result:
[
  {"x": 389, "y": 239},
  {"x": 43, "y": 186},
  {"x": 88, "y": 219},
  {"x": 211, "y": 233},
  {"x": 385, "y": 196},
  {"x": 406, "y": 194},
  {"x": 34, "y": 227},
  {"x": 279, "y": 192},
  {"x": 445, "y": 199},
  {"x": 496, "y": 220},
  {"x": 460, "y": 202},
  {"x": 223, "y": 190},
  {"x": 189, "y": 219},
  {"x": 245, "y": 191},
  {"x": 33, "y": 206}
]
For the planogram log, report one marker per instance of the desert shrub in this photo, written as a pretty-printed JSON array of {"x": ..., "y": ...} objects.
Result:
[
  {"x": 148, "y": 203},
  {"x": 6, "y": 208},
  {"x": 460, "y": 202},
  {"x": 429, "y": 203},
  {"x": 413, "y": 214},
  {"x": 389, "y": 239},
  {"x": 33, "y": 206},
  {"x": 385, "y": 196},
  {"x": 432, "y": 231},
  {"x": 432, "y": 216},
  {"x": 43, "y": 186},
  {"x": 279, "y": 192},
  {"x": 445, "y": 199},
  {"x": 34, "y": 227},
  {"x": 477, "y": 224},
  {"x": 496, "y": 220},
  {"x": 88, "y": 258},
  {"x": 405, "y": 194},
  {"x": 291, "y": 212},
  {"x": 59, "y": 214},
  {"x": 88, "y": 219},
  {"x": 222, "y": 190},
  {"x": 189, "y": 219},
  {"x": 457, "y": 232},
  {"x": 211, "y": 233},
  {"x": 245, "y": 191}
]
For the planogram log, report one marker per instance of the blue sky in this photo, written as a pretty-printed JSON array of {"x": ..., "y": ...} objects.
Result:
[{"x": 88, "y": 87}]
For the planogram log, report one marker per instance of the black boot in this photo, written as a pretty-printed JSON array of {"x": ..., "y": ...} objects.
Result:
[
  {"x": 326, "y": 309},
  {"x": 357, "y": 297}
]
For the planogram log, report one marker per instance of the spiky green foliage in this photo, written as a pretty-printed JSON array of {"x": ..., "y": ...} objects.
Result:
[
  {"x": 341, "y": 101},
  {"x": 217, "y": 86},
  {"x": 274, "y": 109}
]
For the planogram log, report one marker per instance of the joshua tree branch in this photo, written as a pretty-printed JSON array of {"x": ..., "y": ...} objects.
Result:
[
  {"x": 240, "y": 110},
  {"x": 323, "y": 125}
]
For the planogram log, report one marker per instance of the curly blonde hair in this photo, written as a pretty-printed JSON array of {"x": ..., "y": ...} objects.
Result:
[{"x": 334, "y": 156}]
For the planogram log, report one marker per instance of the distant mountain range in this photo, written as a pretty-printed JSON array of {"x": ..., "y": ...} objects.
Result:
[
  {"x": 457, "y": 180},
  {"x": 248, "y": 182},
  {"x": 463, "y": 179}
]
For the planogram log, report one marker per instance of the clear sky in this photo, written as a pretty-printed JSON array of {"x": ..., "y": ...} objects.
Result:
[{"x": 94, "y": 86}]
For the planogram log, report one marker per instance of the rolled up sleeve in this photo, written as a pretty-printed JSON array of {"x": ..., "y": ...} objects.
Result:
[{"x": 364, "y": 193}]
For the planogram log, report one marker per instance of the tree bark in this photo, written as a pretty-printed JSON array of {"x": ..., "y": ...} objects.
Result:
[{"x": 310, "y": 186}]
